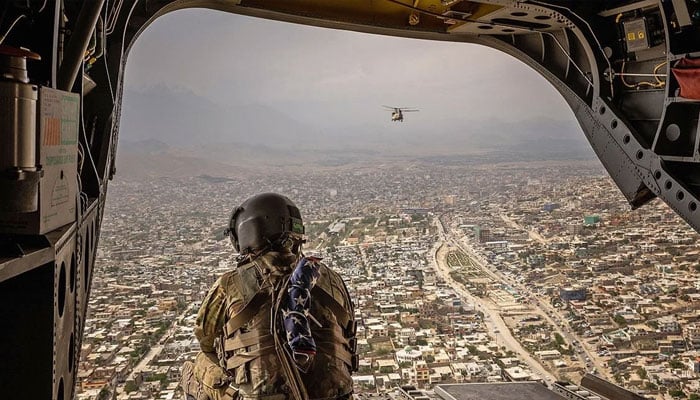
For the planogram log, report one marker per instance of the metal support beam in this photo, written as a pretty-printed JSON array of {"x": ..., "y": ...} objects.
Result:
[{"x": 79, "y": 40}]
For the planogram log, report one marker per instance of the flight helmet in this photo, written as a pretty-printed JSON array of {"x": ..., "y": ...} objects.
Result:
[{"x": 267, "y": 220}]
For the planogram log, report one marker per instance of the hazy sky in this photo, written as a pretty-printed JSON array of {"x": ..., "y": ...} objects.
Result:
[{"x": 325, "y": 78}]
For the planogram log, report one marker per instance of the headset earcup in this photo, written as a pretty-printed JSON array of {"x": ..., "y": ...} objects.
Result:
[{"x": 232, "y": 228}]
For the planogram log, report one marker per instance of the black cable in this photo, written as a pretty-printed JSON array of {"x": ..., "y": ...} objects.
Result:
[
  {"x": 43, "y": 6},
  {"x": 4, "y": 11},
  {"x": 12, "y": 26}
]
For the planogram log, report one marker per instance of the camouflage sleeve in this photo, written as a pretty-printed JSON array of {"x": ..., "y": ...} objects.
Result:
[
  {"x": 211, "y": 316},
  {"x": 222, "y": 297}
]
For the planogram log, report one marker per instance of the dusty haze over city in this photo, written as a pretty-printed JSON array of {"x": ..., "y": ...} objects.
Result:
[
  {"x": 320, "y": 92},
  {"x": 481, "y": 239}
]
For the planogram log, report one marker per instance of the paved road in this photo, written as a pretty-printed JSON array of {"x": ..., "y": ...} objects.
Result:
[
  {"x": 532, "y": 234},
  {"x": 572, "y": 337},
  {"x": 155, "y": 350},
  {"x": 569, "y": 336},
  {"x": 560, "y": 324},
  {"x": 545, "y": 308},
  {"x": 495, "y": 325}
]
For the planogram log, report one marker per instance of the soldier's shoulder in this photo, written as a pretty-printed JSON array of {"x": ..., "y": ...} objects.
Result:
[
  {"x": 228, "y": 276},
  {"x": 229, "y": 282},
  {"x": 331, "y": 280},
  {"x": 324, "y": 268},
  {"x": 329, "y": 273}
]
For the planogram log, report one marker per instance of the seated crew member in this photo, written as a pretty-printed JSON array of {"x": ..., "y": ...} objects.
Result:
[{"x": 280, "y": 325}]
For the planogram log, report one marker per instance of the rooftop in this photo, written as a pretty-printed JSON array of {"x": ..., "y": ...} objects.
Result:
[{"x": 496, "y": 391}]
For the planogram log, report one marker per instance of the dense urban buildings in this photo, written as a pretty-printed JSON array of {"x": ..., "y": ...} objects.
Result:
[{"x": 461, "y": 272}]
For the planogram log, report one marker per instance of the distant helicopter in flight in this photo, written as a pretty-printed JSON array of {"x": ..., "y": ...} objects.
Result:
[{"x": 397, "y": 112}]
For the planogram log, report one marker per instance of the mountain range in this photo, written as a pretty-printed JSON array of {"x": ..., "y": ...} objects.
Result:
[{"x": 176, "y": 132}]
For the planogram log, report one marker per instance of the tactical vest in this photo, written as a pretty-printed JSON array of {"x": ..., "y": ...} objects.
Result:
[{"x": 251, "y": 355}]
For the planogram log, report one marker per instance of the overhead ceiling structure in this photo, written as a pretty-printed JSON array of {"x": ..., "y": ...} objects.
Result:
[{"x": 628, "y": 69}]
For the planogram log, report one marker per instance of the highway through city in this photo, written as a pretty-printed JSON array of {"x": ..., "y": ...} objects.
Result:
[
  {"x": 551, "y": 315},
  {"x": 492, "y": 318},
  {"x": 155, "y": 350}
]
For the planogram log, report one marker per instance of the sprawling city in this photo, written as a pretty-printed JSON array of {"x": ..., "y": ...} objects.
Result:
[{"x": 461, "y": 272}]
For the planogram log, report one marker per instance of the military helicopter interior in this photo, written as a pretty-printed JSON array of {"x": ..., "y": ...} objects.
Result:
[{"x": 629, "y": 69}]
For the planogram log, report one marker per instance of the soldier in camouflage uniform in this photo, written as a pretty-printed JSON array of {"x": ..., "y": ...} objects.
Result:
[{"x": 279, "y": 326}]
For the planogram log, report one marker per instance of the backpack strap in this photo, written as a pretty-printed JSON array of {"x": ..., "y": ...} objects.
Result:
[
  {"x": 333, "y": 293},
  {"x": 335, "y": 344},
  {"x": 248, "y": 281},
  {"x": 289, "y": 369},
  {"x": 248, "y": 340},
  {"x": 247, "y": 312}
]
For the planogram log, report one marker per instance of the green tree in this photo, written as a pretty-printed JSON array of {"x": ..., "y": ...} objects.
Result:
[
  {"x": 157, "y": 377},
  {"x": 130, "y": 386},
  {"x": 104, "y": 394},
  {"x": 559, "y": 339},
  {"x": 382, "y": 352},
  {"x": 676, "y": 364},
  {"x": 642, "y": 373},
  {"x": 620, "y": 320},
  {"x": 676, "y": 393}
]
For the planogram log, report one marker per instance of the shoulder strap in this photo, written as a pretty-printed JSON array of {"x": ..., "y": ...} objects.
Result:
[
  {"x": 333, "y": 293},
  {"x": 247, "y": 279},
  {"x": 254, "y": 295},
  {"x": 289, "y": 369},
  {"x": 247, "y": 312}
]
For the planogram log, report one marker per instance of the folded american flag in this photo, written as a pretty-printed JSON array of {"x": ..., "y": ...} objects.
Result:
[{"x": 296, "y": 314}]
